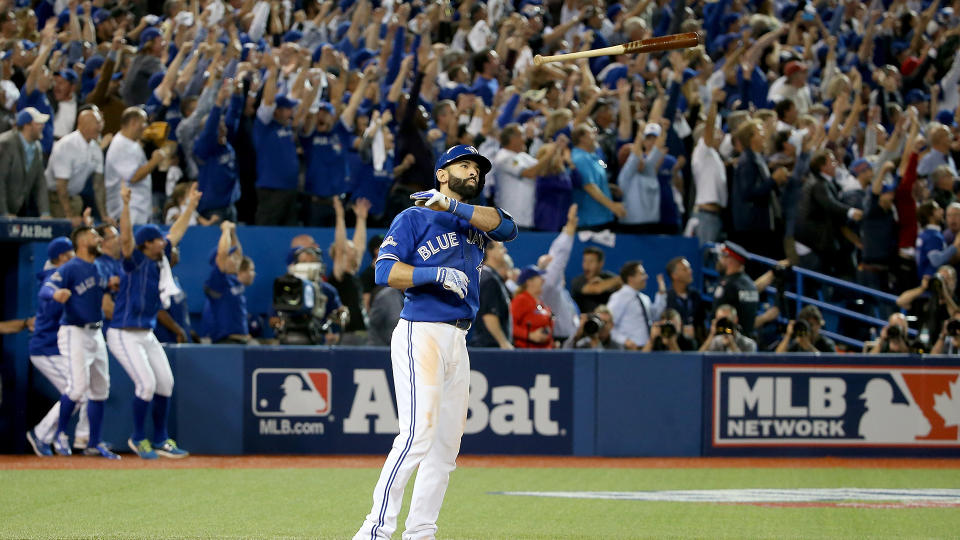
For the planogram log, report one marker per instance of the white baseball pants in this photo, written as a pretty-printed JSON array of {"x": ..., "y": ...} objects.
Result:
[
  {"x": 86, "y": 355},
  {"x": 431, "y": 373},
  {"x": 57, "y": 370},
  {"x": 144, "y": 360}
]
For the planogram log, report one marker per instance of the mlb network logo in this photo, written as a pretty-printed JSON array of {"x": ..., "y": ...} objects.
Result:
[
  {"x": 291, "y": 392},
  {"x": 757, "y": 405}
]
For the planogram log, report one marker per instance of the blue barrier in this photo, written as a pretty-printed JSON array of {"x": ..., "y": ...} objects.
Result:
[{"x": 231, "y": 400}]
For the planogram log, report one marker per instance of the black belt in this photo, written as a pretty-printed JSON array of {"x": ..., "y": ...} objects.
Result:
[
  {"x": 463, "y": 324},
  {"x": 91, "y": 326}
]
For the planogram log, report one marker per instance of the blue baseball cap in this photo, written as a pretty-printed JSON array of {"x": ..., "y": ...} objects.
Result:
[
  {"x": 58, "y": 246},
  {"x": 916, "y": 96},
  {"x": 888, "y": 188},
  {"x": 860, "y": 166},
  {"x": 148, "y": 35},
  {"x": 292, "y": 36},
  {"x": 31, "y": 115},
  {"x": 146, "y": 234},
  {"x": 614, "y": 10},
  {"x": 689, "y": 74},
  {"x": 527, "y": 273},
  {"x": 463, "y": 152},
  {"x": 27, "y": 45},
  {"x": 946, "y": 118},
  {"x": 100, "y": 15},
  {"x": 284, "y": 102},
  {"x": 6, "y": 54},
  {"x": 69, "y": 75},
  {"x": 327, "y": 106}
]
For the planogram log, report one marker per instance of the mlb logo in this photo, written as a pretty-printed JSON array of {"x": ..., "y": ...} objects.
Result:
[{"x": 291, "y": 392}]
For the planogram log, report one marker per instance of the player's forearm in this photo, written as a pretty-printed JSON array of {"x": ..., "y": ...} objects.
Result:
[
  {"x": 100, "y": 195},
  {"x": 401, "y": 276},
  {"x": 126, "y": 231}
]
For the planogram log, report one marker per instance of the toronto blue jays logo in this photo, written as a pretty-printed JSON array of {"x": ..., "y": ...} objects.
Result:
[{"x": 388, "y": 241}]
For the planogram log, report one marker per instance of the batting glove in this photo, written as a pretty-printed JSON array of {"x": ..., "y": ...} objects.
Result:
[
  {"x": 453, "y": 280},
  {"x": 432, "y": 199}
]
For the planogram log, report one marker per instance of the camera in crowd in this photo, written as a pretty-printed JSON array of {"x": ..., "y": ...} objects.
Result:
[
  {"x": 953, "y": 328},
  {"x": 726, "y": 326},
  {"x": 301, "y": 307},
  {"x": 668, "y": 330},
  {"x": 801, "y": 328},
  {"x": 593, "y": 325}
]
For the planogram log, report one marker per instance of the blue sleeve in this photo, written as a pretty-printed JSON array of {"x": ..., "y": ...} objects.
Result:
[
  {"x": 506, "y": 230},
  {"x": 396, "y": 56},
  {"x": 506, "y": 115},
  {"x": 757, "y": 89},
  {"x": 664, "y": 25},
  {"x": 131, "y": 263},
  {"x": 47, "y": 290},
  {"x": 712, "y": 16},
  {"x": 207, "y": 144},
  {"x": 940, "y": 256},
  {"x": 333, "y": 297},
  {"x": 400, "y": 241},
  {"x": 234, "y": 111}
]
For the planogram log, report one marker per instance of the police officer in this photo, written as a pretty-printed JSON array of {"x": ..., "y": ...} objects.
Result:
[{"x": 736, "y": 288}]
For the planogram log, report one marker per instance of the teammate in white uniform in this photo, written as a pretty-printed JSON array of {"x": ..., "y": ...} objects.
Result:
[
  {"x": 434, "y": 251},
  {"x": 146, "y": 270}
]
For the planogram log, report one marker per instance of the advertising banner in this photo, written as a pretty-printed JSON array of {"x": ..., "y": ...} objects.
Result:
[
  {"x": 830, "y": 408},
  {"x": 313, "y": 400}
]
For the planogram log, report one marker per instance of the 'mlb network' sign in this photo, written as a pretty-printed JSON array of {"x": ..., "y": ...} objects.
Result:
[{"x": 763, "y": 405}]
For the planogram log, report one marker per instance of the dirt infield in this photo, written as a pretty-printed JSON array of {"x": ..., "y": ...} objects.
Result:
[{"x": 316, "y": 462}]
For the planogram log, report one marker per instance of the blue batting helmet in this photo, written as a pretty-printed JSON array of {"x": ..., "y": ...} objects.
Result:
[{"x": 463, "y": 152}]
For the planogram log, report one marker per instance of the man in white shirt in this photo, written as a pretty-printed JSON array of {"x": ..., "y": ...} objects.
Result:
[
  {"x": 633, "y": 312},
  {"x": 792, "y": 85},
  {"x": 709, "y": 175},
  {"x": 127, "y": 163},
  {"x": 74, "y": 159},
  {"x": 516, "y": 174},
  {"x": 555, "y": 293},
  {"x": 65, "y": 108}
]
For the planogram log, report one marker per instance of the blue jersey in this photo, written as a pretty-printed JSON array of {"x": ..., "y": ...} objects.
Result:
[
  {"x": 282, "y": 170},
  {"x": 180, "y": 313},
  {"x": 43, "y": 342},
  {"x": 109, "y": 267},
  {"x": 326, "y": 153},
  {"x": 86, "y": 284},
  {"x": 374, "y": 185},
  {"x": 225, "y": 308},
  {"x": 38, "y": 100},
  {"x": 423, "y": 238},
  {"x": 929, "y": 239},
  {"x": 138, "y": 299}
]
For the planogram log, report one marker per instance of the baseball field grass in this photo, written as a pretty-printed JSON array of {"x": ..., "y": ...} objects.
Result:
[{"x": 331, "y": 502}]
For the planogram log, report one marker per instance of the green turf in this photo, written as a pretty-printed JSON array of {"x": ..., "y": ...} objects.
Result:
[{"x": 331, "y": 503}]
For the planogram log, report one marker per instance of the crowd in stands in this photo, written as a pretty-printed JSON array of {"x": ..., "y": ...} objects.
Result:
[{"x": 821, "y": 134}]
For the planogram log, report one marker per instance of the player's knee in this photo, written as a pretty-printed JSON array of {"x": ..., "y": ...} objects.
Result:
[
  {"x": 146, "y": 389},
  {"x": 164, "y": 386}
]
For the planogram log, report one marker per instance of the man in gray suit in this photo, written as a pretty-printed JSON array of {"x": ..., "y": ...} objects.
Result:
[{"x": 23, "y": 191}]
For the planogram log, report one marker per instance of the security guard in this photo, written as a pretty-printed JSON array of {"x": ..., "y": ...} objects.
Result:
[{"x": 736, "y": 288}]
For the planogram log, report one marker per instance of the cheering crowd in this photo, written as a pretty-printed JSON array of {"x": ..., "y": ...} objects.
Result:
[{"x": 820, "y": 134}]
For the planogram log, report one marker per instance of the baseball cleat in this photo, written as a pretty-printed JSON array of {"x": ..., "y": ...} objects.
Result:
[
  {"x": 169, "y": 449},
  {"x": 61, "y": 444},
  {"x": 40, "y": 448},
  {"x": 80, "y": 443},
  {"x": 100, "y": 450},
  {"x": 142, "y": 448}
]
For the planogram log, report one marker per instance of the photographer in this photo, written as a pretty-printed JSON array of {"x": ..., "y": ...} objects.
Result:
[
  {"x": 725, "y": 333},
  {"x": 665, "y": 335},
  {"x": 932, "y": 302},
  {"x": 803, "y": 335},
  {"x": 949, "y": 340},
  {"x": 308, "y": 309},
  {"x": 594, "y": 331},
  {"x": 893, "y": 337}
]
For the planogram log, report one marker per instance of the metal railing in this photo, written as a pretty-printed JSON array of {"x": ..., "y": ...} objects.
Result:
[{"x": 799, "y": 299}]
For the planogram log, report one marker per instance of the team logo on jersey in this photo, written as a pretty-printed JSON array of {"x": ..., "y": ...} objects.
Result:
[
  {"x": 472, "y": 150},
  {"x": 835, "y": 405},
  {"x": 388, "y": 241},
  {"x": 291, "y": 392}
]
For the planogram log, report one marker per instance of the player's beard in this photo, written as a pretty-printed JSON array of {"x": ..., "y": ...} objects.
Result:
[{"x": 461, "y": 186}]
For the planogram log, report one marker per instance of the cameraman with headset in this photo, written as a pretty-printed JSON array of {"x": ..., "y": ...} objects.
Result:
[
  {"x": 309, "y": 311},
  {"x": 893, "y": 337},
  {"x": 803, "y": 334},
  {"x": 594, "y": 331},
  {"x": 667, "y": 334},
  {"x": 725, "y": 333}
]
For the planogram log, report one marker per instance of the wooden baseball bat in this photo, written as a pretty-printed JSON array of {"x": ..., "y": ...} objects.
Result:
[{"x": 663, "y": 43}]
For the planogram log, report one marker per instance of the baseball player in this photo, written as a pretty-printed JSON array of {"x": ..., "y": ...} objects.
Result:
[
  {"x": 146, "y": 270},
  {"x": 434, "y": 251},
  {"x": 79, "y": 286},
  {"x": 45, "y": 355}
]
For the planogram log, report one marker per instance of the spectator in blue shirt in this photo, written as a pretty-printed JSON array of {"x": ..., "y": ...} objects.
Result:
[
  {"x": 34, "y": 91},
  {"x": 225, "y": 308},
  {"x": 932, "y": 250},
  {"x": 597, "y": 208},
  {"x": 638, "y": 179},
  {"x": 278, "y": 167},
  {"x": 216, "y": 158}
]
